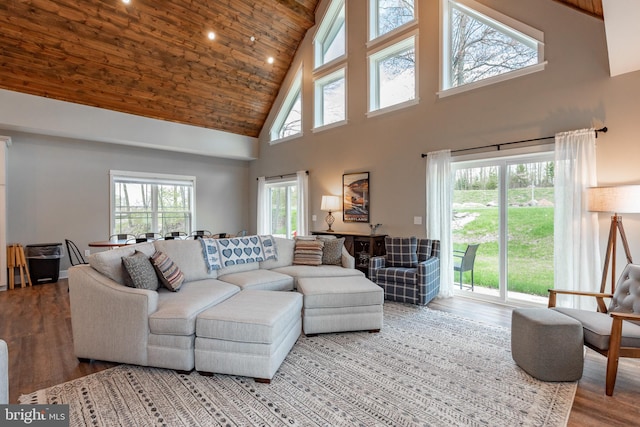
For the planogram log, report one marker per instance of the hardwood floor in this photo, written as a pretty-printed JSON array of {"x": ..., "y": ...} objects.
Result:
[{"x": 35, "y": 323}]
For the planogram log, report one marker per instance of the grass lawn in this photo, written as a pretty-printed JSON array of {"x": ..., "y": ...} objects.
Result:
[{"x": 529, "y": 246}]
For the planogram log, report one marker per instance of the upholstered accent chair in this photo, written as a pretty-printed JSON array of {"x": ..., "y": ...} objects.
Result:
[
  {"x": 614, "y": 331},
  {"x": 410, "y": 270}
]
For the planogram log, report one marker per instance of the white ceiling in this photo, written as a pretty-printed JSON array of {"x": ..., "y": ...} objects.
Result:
[{"x": 623, "y": 35}]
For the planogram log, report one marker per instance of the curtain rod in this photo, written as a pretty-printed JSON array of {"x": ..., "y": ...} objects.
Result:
[
  {"x": 497, "y": 146},
  {"x": 283, "y": 176}
]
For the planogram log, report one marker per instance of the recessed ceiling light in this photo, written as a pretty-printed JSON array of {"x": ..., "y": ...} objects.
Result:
[
  {"x": 270, "y": 60},
  {"x": 211, "y": 35},
  {"x": 252, "y": 38},
  {"x": 126, "y": 1}
]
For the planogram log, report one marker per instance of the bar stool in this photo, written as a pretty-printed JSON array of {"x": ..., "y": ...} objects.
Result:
[{"x": 16, "y": 259}]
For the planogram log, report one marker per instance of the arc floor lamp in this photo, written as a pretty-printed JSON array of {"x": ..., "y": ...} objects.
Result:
[{"x": 615, "y": 200}]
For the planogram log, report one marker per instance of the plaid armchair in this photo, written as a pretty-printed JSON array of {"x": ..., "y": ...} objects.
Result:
[{"x": 410, "y": 271}]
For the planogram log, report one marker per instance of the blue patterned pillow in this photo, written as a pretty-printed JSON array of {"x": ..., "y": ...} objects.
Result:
[{"x": 401, "y": 251}]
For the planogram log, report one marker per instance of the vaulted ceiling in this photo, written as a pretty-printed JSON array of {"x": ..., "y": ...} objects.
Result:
[{"x": 155, "y": 58}]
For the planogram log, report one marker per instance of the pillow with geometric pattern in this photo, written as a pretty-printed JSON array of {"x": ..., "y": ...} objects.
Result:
[
  {"x": 401, "y": 251},
  {"x": 140, "y": 271}
]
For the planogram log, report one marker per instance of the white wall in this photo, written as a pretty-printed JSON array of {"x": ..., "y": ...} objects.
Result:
[
  {"x": 58, "y": 188},
  {"x": 574, "y": 91}
]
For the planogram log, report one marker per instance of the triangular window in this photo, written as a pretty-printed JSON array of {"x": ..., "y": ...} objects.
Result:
[
  {"x": 288, "y": 122},
  {"x": 481, "y": 44}
]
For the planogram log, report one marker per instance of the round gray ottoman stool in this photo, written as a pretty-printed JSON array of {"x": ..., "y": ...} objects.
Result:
[{"x": 546, "y": 344}]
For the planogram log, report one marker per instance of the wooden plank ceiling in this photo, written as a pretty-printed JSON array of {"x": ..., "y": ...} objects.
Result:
[
  {"x": 592, "y": 7},
  {"x": 154, "y": 58}
]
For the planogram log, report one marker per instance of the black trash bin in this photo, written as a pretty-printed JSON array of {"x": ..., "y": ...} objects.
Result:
[{"x": 44, "y": 262}]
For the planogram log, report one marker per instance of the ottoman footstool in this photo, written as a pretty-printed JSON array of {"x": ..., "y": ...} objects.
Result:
[
  {"x": 250, "y": 334},
  {"x": 546, "y": 344},
  {"x": 340, "y": 304}
]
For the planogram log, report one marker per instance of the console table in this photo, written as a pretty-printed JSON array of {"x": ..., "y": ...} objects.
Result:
[{"x": 361, "y": 246}]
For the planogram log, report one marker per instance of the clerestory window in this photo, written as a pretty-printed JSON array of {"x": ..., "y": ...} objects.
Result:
[
  {"x": 288, "y": 122},
  {"x": 392, "y": 75},
  {"x": 386, "y": 16},
  {"x": 482, "y": 46},
  {"x": 330, "y": 99},
  {"x": 330, "y": 40}
]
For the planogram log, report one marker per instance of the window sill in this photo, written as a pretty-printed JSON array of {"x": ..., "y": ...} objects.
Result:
[
  {"x": 286, "y": 138},
  {"x": 395, "y": 107},
  {"x": 329, "y": 126},
  {"x": 492, "y": 80}
]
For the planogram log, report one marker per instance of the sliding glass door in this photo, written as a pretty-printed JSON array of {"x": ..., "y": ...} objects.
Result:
[{"x": 505, "y": 206}]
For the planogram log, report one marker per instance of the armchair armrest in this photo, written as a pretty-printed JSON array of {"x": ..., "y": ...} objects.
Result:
[
  {"x": 429, "y": 277},
  {"x": 599, "y": 296},
  {"x": 625, "y": 316},
  {"x": 376, "y": 263}
]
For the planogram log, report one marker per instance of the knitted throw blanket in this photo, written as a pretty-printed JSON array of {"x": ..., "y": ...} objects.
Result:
[{"x": 219, "y": 253}]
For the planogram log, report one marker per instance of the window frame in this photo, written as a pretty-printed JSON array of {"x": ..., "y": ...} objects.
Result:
[
  {"x": 154, "y": 179},
  {"x": 372, "y": 32},
  {"x": 382, "y": 52},
  {"x": 507, "y": 25},
  {"x": 318, "y": 103},
  {"x": 294, "y": 92},
  {"x": 279, "y": 183},
  {"x": 326, "y": 27}
]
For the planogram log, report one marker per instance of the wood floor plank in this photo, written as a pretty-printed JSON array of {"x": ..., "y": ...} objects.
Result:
[{"x": 36, "y": 324}]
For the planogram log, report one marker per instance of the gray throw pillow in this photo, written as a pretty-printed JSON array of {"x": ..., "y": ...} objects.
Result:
[
  {"x": 332, "y": 251},
  {"x": 141, "y": 273}
]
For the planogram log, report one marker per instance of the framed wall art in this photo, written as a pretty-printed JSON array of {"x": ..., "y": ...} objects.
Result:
[{"x": 355, "y": 197}]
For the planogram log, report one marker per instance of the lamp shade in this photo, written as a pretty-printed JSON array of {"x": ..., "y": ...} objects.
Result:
[
  {"x": 619, "y": 199},
  {"x": 330, "y": 203}
]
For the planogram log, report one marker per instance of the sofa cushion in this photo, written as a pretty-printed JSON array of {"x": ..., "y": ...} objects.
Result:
[
  {"x": 188, "y": 256},
  {"x": 285, "y": 248},
  {"x": 177, "y": 311},
  {"x": 168, "y": 272},
  {"x": 332, "y": 251},
  {"x": 298, "y": 271},
  {"x": 401, "y": 251},
  {"x": 252, "y": 316},
  {"x": 139, "y": 272},
  {"x": 308, "y": 252},
  {"x": 109, "y": 262},
  {"x": 260, "y": 279}
]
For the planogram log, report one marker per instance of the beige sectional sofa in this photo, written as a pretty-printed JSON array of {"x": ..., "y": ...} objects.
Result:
[{"x": 113, "y": 322}]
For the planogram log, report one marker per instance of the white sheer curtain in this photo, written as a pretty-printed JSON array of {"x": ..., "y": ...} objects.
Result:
[
  {"x": 263, "y": 207},
  {"x": 439, "y": 191},
  {"x": 303, "y": 202},
  {"x": 576, "y": 241}
]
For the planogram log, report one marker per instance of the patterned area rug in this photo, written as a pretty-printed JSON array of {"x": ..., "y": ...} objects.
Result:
[{"x": 425, "y": 367}]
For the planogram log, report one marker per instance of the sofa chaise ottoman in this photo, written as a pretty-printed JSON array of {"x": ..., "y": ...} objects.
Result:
[
  {"x": 249, "y": 334},
  {"x": 340, "y": 304}
]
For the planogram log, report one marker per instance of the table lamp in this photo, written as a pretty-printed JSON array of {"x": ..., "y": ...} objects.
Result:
[{"x": 330, "y": 204}]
